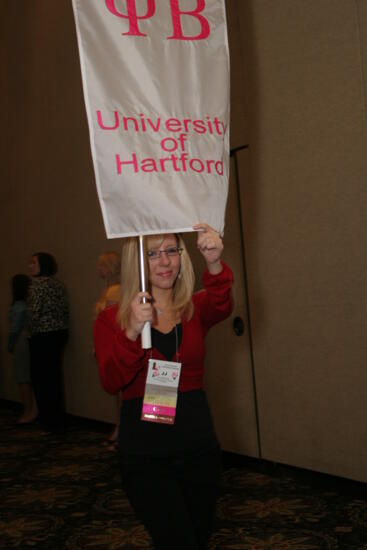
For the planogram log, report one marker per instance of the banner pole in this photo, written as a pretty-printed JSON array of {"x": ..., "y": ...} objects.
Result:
[{"x": 146, "y": 340}]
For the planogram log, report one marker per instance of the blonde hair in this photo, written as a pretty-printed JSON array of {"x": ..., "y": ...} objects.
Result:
[
  {"x": 183, "y": 286},
  {"x": 112, "y": 263},
  {"x": 111, "y": 293}
]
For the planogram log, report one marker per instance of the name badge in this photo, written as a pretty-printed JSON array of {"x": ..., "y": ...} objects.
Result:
[{"x": 160, "y": 396}]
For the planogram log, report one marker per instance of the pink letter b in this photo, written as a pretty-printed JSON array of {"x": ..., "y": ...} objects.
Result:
[{"x": 176, "y": 21}]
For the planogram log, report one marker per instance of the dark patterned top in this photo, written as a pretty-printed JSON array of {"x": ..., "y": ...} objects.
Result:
[{"x": 48, "y": 305}]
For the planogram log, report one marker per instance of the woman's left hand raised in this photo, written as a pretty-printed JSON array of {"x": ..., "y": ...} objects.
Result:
[{"x": 210, "y": 245}]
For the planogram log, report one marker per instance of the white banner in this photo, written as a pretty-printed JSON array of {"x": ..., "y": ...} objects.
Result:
[{"x": 156, "y": 86}]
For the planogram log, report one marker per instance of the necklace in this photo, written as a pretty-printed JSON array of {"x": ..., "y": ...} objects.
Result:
[{"x": 160, "y": 311}]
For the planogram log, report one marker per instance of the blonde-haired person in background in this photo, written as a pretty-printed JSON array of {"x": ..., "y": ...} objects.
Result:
[
  {"x": 108, "y": 268},
  {"x": 169, "y": 453}
]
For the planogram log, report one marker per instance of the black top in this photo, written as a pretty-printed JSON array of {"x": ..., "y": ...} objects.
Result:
[
  {"x": 167, "y": 343},
  {"x": 193, "y": 431}
]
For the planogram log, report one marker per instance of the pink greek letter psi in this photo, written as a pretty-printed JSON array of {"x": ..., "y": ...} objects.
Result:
[{"x": 132, "y": 15}]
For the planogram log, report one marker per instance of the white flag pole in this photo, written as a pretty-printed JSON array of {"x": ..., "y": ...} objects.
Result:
[{"x": 146, "y": 340}]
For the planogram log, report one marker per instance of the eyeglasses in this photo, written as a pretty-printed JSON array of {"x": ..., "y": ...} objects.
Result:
[{"x": 169, "y": 251}]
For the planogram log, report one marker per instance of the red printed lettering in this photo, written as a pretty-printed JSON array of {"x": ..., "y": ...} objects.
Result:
[
  {"x": 182, "y": 163},
  {"x": 199, "y": 163},
  {"x": 186, "y": 122},
  {"x": 101, "y": 125},
  {"x": 120, "y": 162},
  {"x": 219, "y": 167},
  {"x": 163, "y": 161},
  {"x": 126, "y": 119},
  {"x": 199, "y": 126},
  {"x": 208, "y": 164},
  {"x": 132, "y": 15},
  {"x": 169, "y": 144},
  {"x": 174, "y": 163},
  {"x": 149, "y": 165},
  {"x": 177, "y": 13},
  {"x": 183, "y": 159},
  {"x": 153, "y": 126},
  {"x": 218, "y": 126},
  {"x": 173, "y": 125},
  {"x": 182, "y": 138}
]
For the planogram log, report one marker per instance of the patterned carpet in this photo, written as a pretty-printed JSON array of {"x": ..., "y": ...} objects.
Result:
[{"x": 64, "y": 493}]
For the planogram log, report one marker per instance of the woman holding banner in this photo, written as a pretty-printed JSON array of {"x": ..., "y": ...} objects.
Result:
[{"x": 169, "y": 453}]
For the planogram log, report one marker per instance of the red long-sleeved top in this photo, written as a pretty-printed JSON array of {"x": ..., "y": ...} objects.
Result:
[{"x": 123, "y": 363}]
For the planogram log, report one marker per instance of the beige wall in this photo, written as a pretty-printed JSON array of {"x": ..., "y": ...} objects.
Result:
[
  {"x": 299, "y": 100},
  {"x": 305, "y": 229},
  {"x": 48, "y": 191}
]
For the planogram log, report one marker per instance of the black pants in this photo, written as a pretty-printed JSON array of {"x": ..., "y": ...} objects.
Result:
[
  {"x": 46, "y": 354},
  {"x": 175, "y": 498}
]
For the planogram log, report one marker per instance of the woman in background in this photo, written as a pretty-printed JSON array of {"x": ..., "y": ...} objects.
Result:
[
  {"x": 108, "y": 268},
  {"x": 48, "y": 321},
  {"x": 18, "y": 345},
  {"x": 169, "y": 455}
]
